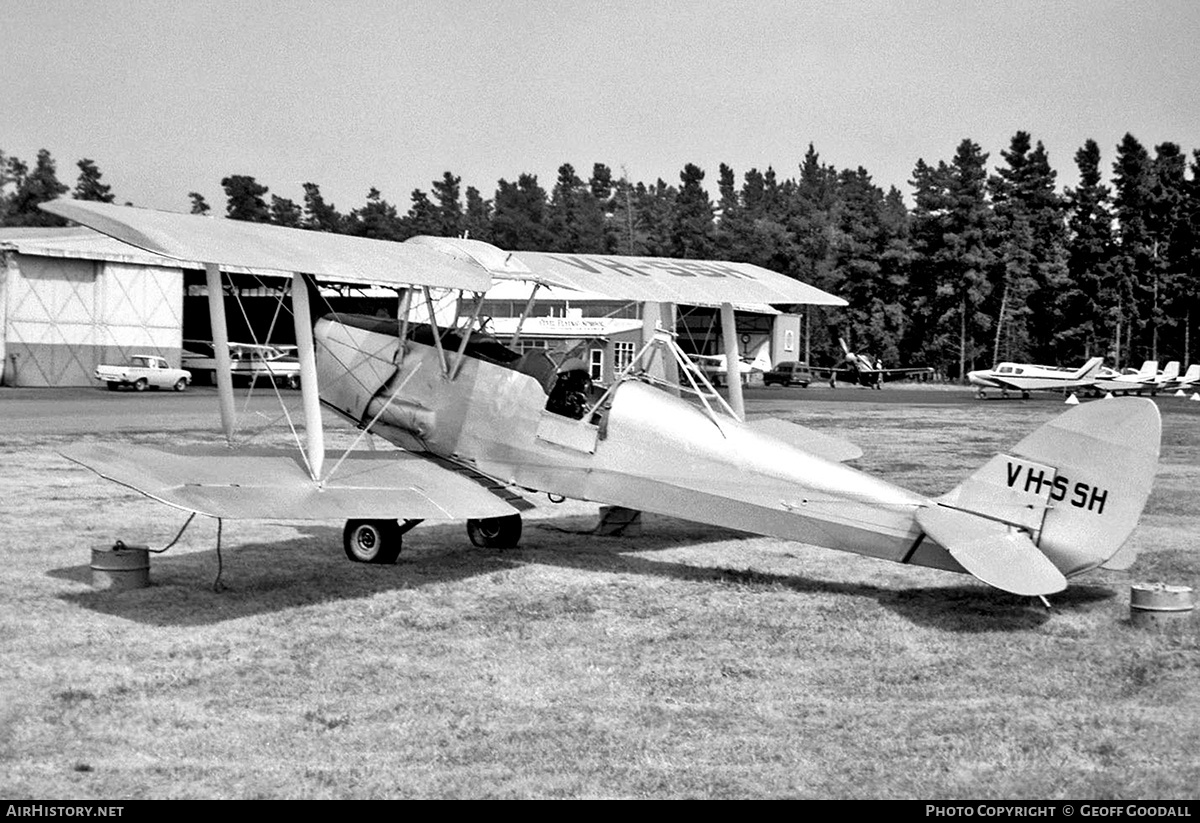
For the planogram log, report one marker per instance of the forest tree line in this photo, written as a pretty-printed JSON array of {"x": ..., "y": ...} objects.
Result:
[{"x": 984, "y": 266}]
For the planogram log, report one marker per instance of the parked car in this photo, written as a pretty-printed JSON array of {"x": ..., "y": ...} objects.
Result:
[
  {"x": 144, "y": 371},
  {"x": 790, "y": 373}
]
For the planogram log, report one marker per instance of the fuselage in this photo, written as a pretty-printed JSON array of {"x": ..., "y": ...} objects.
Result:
[
  {"x": 644, "y": 448},
  {"x": 997, "y": 377}
]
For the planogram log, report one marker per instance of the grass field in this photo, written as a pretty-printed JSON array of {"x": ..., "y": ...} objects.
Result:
[{"x": 686, "y": 662}]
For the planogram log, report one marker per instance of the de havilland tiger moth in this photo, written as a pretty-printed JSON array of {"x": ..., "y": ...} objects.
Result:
[{"x": 478, "y": 426}]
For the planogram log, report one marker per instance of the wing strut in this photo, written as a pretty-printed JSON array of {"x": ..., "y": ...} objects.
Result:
[
  {"x": 220, "y": 335},
  {"x": 309, "y": 394},
  {"x": 733, "y": 363}
]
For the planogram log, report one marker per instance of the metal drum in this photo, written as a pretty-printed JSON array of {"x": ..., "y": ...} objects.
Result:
[
  {"x": 1157, "y": 605},
  {"x": 120, "y": 567}
]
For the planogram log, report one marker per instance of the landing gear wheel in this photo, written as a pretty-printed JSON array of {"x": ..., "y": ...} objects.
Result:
[
  {"x": 141, "y": 385},
  {"x": 372, "y": 541},
  {"x": 495, "y": 532},
  {"x": 181, "y": 384}
]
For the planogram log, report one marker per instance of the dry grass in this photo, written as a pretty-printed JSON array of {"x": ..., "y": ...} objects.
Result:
[{"x": 688, "y": 662}]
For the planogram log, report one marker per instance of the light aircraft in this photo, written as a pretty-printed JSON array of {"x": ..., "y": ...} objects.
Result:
[
  {"x": 864, "y": 370},
  {"x": 1188, "y": 380},
  {"x": 1025, "y": 377},
  {"x": 251, "y": 362},
  {"x": 478, "y": 426},
  {"x": 1146, "y": 379},
  {"x": 716, "y": 369}
]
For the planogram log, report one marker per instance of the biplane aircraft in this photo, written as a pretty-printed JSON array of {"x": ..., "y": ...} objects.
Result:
[
  {"x": 863, "y": 370},
  {"x": 1026, "y": 377},
  {"x": 479, "y": 426}
]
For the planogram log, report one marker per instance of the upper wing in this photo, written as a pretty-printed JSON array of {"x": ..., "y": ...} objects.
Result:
[
  {"x": 269, "y": 484},
  {"x": 337, "y": 257},
  {"x": 653, "y": 279}
]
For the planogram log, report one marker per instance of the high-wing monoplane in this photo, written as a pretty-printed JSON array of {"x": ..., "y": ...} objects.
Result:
[
  {"x": 479, "y": 425},
  {"x": 1025, "y": 377},
  {"x": 865, "y": 370}
]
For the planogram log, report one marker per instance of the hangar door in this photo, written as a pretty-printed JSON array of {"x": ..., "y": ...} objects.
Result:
[{"x": 67, "y": 316}]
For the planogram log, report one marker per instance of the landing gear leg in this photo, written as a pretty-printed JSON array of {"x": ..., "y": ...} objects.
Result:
[{"x": 495, "y": 532}]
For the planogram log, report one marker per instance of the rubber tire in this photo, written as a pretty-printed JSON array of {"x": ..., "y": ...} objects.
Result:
[
  {"x": 141, "y": 385},
  {"x": 293, "y": 381},
  {"x": 495, "y": 532},
  {"x": 372, "y": 541},
  {"x": 181, "y": 384},
  {"x": 113, "y": 385}
]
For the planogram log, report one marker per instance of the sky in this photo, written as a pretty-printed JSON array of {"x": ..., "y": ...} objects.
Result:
[{"x": 169, "y": 97}]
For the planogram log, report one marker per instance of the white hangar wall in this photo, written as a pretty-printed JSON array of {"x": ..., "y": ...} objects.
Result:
[{"x": 63, "y": 316}]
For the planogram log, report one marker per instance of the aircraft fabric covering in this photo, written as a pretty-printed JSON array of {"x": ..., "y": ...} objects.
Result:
[
  {"x": 271, "y": 484},
  {"x": 234, "y": 243},
  {"x": 643, "y": 279}
]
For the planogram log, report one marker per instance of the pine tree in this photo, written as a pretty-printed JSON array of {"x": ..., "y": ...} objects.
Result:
[
  {"x": 519, "y": 218},
  {"x": 377, "y": 219},
  {"x": 423, "y": 217},
  {"x": 692, "y": 230},
  {"x": 1031, "y": 255},
  {"x": 1093, "y": 298},
  {"x": 874, "y": 316},
  {"x": 478, "y": 216},
  {"x": 244, "y": 199},
  {"x": 33, "y": 188},
  {"x": 286, "y": 212},
  {"x": 952, "y": 230},
  {"x": 319, "y": 215},
  {"x": 88, "y": 186},
  {"x": 1170, "y": 249},
  {"x": 1132, "y": 180},
  {"x": 199, "y": 204},
  {"x": 449, "y": 205}
]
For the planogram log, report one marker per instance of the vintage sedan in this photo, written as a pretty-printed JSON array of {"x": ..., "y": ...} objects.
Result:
[{"x": 789, "y": 373}]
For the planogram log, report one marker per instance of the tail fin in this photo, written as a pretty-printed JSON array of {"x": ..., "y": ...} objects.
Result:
[
  {"x": 1076, "y": 486},
  {"x": 1171, "y": 371},
  {"x": 1090, "y": 369},
  {"x": 1149, "y": 369}
]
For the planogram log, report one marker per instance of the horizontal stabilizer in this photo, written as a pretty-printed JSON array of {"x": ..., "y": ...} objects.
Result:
[
  {"x": 273, "y": 484},
  {"x": 812, "y": 441},
  {"x": 999, "y": 555}
]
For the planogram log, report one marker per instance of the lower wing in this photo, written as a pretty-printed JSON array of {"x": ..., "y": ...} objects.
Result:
[{"x": 271, "y": 484}]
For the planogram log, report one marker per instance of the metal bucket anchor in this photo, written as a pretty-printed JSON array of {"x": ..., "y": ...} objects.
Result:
[{"x": 120, "y": 566}]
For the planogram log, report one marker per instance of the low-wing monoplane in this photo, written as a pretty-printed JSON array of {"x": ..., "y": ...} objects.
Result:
[
  {"x": 1146, "y": 379},
  {"x": 1025, "y": 377},
  {"x": 1188, "y": 380},
  {"x": 479, "y": 425},
  {"x": 864, "y": 370}
]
